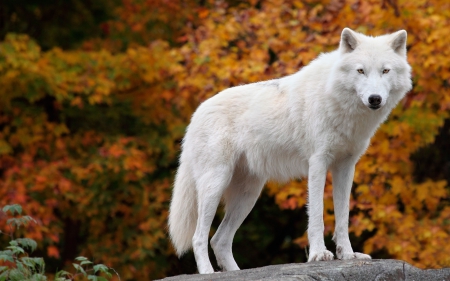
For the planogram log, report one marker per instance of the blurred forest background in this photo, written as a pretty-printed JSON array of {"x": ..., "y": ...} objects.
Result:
[{"x": 95, "y": 96}]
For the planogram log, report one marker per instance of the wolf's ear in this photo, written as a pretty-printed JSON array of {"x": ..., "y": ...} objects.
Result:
[
  {"x": 348, "y": 41},
  {"x": 398, "y": 42}
]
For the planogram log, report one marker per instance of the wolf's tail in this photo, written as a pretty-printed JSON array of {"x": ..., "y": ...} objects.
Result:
[{"x": 183, "y": 211}]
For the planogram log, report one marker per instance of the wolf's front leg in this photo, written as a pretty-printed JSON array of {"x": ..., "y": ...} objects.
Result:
[
  {"x": 343, "y": 173},
  {"x": 316, "y": 184}
]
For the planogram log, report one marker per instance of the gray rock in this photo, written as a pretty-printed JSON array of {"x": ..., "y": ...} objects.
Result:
[{"x": 377, "y": 270}]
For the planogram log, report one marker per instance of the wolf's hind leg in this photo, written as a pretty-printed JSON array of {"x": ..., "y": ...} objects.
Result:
[
  {"x": 240, "y": 197},
  {"x": 210, "y": 188}
]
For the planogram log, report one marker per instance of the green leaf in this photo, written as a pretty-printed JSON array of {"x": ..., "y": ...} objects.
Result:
[
  {"x": 16, "y": 250},
  {"x": 61, "y": 275},
  {"x": 7, "y": 255},
  {"x": 27, "y": 243},
  {"x": 28, "y": 263},
  {"x": 79, "y": 268},
  {"x": 6, "y": 252},
  {"x": 35, "y": 263},
  {"x": 21, "y": 267},
  {"x": 16, "y": 208},
  {"x": 4, "y": 275},
  {"x": 13, "y": 222},
  {"x": 26, "y": 219},
  {"x": 17, "y": 275},
  {"x": 17, "y": 222},
  {"x": 38, "y": 277},
  {"x": 81, "y": 259},
  {"x": 101, "y": 268},
  {"x": 6, "y": 258},
  {"x": 85, "y": 262}
]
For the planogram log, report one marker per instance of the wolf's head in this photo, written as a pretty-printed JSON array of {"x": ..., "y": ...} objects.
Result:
[{"x": 375, "y": 68}]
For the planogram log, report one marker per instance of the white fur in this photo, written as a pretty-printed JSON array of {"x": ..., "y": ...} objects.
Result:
[{"x": 301, "y": 125}]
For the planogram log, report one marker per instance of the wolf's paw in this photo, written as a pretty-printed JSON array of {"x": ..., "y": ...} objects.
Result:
[
  {"x": 354, "y": 256},
  {"x": 351, "y": 256},
  {"x": 324, "y": 255}
]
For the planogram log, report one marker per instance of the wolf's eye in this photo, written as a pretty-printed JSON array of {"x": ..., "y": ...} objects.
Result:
[
  {"x": 385, "y": 71},
  {"x": 360, "y": 71}
]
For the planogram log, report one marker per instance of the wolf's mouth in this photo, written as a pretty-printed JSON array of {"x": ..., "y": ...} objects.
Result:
[{"x": 374, "y": 107}]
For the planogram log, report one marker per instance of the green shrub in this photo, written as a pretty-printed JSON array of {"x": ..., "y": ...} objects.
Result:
[{"x": 19, "y": 266}]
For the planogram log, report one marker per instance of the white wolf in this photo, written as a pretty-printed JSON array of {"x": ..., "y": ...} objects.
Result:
[{"x": 318, "y": 119}]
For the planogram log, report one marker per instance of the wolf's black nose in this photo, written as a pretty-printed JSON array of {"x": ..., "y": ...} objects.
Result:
[{"x": 375, "y": 100}]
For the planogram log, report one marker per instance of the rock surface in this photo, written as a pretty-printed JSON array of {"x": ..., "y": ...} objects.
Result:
[{"x": 328, "y": 270}]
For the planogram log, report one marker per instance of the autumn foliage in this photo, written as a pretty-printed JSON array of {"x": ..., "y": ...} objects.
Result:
[{"x": 89, "y": 135}]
